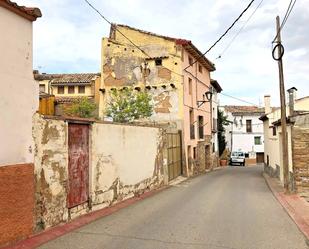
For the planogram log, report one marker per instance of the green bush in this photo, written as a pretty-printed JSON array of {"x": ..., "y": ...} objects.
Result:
[{"x": 81, "y": 107}]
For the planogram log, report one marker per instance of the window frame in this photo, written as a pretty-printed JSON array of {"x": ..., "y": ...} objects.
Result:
[
  {"x": 71, "y": 87},
  {"x": 259, "y": 139},
  {"x": 58, "y": 88},
  {"x": 249, "y": 125},
  {"x": 84, "y": 91}
]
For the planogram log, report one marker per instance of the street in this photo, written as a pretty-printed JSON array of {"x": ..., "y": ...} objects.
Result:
[{"x": 227, "y": 208}]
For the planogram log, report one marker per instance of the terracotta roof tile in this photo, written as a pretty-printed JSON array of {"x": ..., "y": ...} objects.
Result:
[
  {"x": 29, "y": 13},
  {"x": 244, "y": 109},
  {"x": 67, "y": 78}
]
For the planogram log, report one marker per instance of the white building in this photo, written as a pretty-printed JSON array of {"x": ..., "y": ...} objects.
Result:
[
  {"x": 216, "y": 88},
  {"x": 245, "y": 132}
]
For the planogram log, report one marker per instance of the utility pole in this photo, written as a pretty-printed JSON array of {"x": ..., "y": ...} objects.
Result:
[{"x": 283, "y": 108}]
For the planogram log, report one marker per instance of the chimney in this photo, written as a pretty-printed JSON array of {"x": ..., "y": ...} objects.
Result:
[
  {"x": 292, "y": 97},
  {"x": 267, "y": 104}
]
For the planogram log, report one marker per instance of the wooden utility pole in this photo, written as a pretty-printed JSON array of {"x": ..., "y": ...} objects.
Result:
[{"x": 285, "y": 159}]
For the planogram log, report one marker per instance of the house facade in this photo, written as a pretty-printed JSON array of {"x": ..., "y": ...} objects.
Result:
[
  {"x": 298, "y": 138},
  {"x": 166, "y": 70},
  {"x": 18, "y": 102},
  {"x": 67, "y": 87},
  {"x": 245, "y": 132},
  {"x": 216, "y": 89}
]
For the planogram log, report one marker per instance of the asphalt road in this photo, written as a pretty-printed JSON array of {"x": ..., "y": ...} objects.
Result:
[{"x": 227, "y": 208}]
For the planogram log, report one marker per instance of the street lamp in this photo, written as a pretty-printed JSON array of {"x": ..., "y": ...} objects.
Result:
[{"x": 208, "y": 96}]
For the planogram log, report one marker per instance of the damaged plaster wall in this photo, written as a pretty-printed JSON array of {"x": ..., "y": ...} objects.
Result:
[
  {"x": 51, "y": 171},
  {"x": 126, "y": 161}
]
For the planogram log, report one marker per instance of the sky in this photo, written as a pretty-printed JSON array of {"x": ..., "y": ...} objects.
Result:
[{"x": 67, "y": 39}]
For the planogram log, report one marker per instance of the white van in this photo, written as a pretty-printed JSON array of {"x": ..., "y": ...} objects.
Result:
[{"x": 238, "y": 157}]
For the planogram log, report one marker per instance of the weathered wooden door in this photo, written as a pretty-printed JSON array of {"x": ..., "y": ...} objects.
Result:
[
  {"x": 78, "y": 164},
  {"x": 174, "y": 155}
]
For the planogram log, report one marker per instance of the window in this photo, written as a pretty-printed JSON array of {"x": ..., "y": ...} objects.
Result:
[
  {"x": 158, "y": 62},
  {"x": 274, "y": 131},
  {"x": 257, "y": 140},
  {"x": 192, "y": 132},
  {"x": 190, "y": 60},
  {"x": 81, "y": 89},
  {"x": 249, "y": 125},
  {"x": 190, "y": 86},
  {"x": 42, "y": 88},
  {"x": 60, "y": 90},
  {"x": 201, "y": 127},
  {"x": 194, "y": 152},
  {"x": 71, "y": 89},
  {"x": 200, "y": 68}
]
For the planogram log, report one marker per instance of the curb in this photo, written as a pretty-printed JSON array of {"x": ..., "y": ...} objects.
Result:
[
  {"x": 52, "y": 233},
  {"x": 302, "y": 225}
]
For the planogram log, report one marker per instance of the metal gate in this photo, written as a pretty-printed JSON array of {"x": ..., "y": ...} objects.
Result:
[
  {"x": 174, "y": 158},
  {"x": 78, "y": 164}
]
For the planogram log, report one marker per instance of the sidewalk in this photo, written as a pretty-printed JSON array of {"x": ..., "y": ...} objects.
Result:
[
  {"x": 296, "y": 206},
  {"x": 52, "y": 233}
]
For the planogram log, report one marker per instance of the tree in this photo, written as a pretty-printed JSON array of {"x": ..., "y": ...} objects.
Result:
[
  {"x": 81, "y": 107},
  {"x": 222, "y": 121},
  {"x": 128, "y": 105}
]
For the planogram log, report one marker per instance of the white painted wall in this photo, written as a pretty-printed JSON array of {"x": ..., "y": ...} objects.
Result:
[
  {"x": 19, "y": 92},
  {"x": 237, "y": 137}
]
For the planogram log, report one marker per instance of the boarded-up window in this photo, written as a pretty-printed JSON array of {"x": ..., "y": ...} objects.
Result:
[
  {"x": 60, "y": 90},
  {"x": 71, "y": 89},
  {"x": 81, "y": 89},
  {"x": 249, "y": 125}
]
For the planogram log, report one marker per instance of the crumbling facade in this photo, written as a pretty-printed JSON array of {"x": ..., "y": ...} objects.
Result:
[{"x": 175, "y": 73}]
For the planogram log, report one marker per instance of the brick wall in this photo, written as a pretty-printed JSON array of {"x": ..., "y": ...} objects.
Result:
[
  {"x": 16, "y": 202},
  {"x": 300, "y": 144}
]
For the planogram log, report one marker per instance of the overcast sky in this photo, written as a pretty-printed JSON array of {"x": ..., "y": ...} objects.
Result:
[{"x": 68, "y": 38}]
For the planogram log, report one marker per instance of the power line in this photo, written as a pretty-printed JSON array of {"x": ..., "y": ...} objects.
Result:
[
  {"x": 286, "y": 16},
  {"x": 224, "y": 32},
  {"x": 239, "y": 99},
  {"x": 239, "y": 31},
  {"x": 96, "y": 10}
]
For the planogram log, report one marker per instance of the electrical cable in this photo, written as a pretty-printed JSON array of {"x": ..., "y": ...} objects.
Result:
[
  {"x": 230, "y": 27},
  {"x": 240, "y": 30},
  {"x": 239, "y": 99},
  {"x": 96, "y": 10},
  {"x": 286, "y": 16}
]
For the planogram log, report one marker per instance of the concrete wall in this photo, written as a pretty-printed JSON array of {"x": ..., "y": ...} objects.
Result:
[
  {"x": 124, "y": 161},
  {"x": 19, "y": 92}
]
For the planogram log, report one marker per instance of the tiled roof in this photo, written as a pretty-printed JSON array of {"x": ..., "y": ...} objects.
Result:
[
  {"x": 27, "y": 12},
  {"x": 187, "y": 44},
  {"x": 56, "y": 79},
  {"x": 243, "y": 109}
]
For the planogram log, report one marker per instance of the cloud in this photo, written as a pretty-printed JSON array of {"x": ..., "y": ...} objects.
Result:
[{"x": 68, "y": 38}]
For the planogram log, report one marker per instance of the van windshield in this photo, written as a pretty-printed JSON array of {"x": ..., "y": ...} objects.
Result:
[{"x": 237, "y": 154}]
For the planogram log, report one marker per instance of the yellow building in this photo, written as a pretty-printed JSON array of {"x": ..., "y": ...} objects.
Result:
[
  {"x": 177, "y": 76},
  {"x": 67, "y": 87}
]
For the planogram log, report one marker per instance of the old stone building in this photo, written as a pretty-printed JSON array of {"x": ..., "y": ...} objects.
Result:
[{"x": 177, "y": 76}]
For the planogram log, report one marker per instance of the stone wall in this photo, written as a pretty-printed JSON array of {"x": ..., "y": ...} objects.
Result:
[
  {"x": 125, "y": 161},
  {"x": 300, "y": 148}
]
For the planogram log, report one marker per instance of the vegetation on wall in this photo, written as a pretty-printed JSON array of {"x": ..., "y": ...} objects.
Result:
[
  {"x": 128, "y": 105},
  {"x": 81, "y": 107},
  {"x": 222, "y": 122}
]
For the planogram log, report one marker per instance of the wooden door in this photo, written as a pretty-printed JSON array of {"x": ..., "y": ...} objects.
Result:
[
  {"x": 78, "y": 164},
  {"x": 174, "y": 155}
]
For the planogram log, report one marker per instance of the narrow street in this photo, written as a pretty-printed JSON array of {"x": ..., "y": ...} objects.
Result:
[{"x": 228, "y": 208}]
